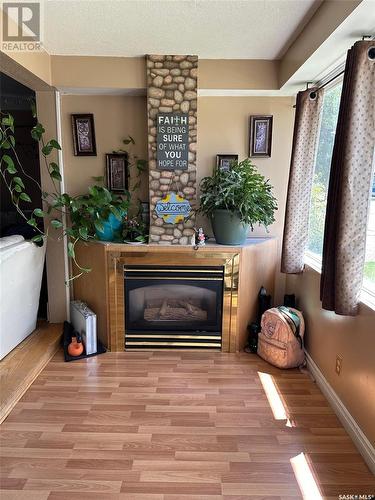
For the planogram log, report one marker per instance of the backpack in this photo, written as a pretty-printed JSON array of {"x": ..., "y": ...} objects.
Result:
[{"x": 280, "y": 341}]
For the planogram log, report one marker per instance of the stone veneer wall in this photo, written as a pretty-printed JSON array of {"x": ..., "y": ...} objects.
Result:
[{"x": 172, "y": 87}]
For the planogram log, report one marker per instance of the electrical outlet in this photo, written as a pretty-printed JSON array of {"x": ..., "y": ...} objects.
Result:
[{"x": 338, "y": 364}]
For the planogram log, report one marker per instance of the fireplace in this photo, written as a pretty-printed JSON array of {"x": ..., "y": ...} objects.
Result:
[
  {"x": 174, "y": 307},
  {"x": 239, "y": 272}
]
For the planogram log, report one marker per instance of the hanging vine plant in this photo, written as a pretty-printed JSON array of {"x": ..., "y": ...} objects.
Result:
[{"x": 79, "y": 217}]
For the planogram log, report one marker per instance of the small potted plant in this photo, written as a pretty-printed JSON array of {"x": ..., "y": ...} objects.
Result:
[
  {"x": 235, "y": 200},
  {"x": 134, "y": 230}
]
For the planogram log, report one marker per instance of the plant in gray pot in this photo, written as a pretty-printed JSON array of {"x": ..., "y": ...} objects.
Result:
[{"x": 235, "y": 200}]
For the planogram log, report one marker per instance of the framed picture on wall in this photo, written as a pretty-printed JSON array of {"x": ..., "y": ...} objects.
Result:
[
  {"x": 224, "y": 162},
  {"x": 260, "y": 140},
  {"x": 145, "y": 212},
  {"x": 117, "y": 172},
  {"x": 83, "y": 135}
]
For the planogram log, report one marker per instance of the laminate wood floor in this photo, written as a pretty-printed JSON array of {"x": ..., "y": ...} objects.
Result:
[
  {"x": 176, "y": 426},
  {"x": 20, "y": 367}
]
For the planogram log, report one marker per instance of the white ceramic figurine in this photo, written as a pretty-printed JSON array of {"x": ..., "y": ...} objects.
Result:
[{"x": 201, "y": 237}]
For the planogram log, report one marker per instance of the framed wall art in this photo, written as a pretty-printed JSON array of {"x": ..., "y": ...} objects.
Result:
[
  {"x": 83, "y": 135},
  {"x": 145, "y": 212},
  {"x": 260, "y": 140},
  {"x": 117, "y": 172},
  {"x": 223, "y": 162}
]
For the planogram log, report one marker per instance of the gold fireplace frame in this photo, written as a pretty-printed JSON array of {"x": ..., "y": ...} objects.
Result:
[
  {"x": 246, "y": 268},
  {"x": 116, "y": 304}
]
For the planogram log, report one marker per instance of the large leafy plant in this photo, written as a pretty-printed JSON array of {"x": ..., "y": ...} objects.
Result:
[
  {"x": 242, "y": 190},
  {"x": 79, "y": 217}
]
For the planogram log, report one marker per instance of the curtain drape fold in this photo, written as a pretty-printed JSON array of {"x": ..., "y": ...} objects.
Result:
[
  {"x": 306, "y": 131},
  {"x": 349, "y": 186}
]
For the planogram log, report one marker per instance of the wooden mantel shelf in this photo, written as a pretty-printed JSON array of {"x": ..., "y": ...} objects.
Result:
[
  {"x": 208, "y": 247},
  {"x": 247, "y": 268}
]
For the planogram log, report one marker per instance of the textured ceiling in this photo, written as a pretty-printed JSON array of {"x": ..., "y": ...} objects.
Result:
[{"x": 217, "y": 29}]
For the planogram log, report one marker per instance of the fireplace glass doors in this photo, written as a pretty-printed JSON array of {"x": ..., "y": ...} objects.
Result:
[{"x": 173, "y": 306}]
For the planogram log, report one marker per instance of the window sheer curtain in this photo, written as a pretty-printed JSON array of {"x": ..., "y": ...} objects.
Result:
[
  {"x": 349, "y": 185},
  {"x": 305, "y": 136}
]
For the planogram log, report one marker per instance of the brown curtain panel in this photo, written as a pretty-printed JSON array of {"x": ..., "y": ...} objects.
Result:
[
  {"x": 349, "y": 185},
  {"x": 306, "y": 131}
]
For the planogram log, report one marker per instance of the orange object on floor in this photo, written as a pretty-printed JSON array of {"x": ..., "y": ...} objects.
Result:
[{"x": 75, "y": 348}]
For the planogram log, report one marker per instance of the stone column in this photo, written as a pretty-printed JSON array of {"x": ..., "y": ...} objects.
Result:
[{"x": 171, "y": 88}]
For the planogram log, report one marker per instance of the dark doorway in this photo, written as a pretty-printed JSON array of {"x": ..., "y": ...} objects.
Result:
[{"x": 16, "y": 99}]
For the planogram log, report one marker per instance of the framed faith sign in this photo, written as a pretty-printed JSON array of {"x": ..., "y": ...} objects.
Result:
[{"x": 172, "y": 141}]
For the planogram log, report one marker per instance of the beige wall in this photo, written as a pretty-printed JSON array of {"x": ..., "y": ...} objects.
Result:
[
  {"x": 238, "y": 74},
  {"x": 115, "y": 118},
  {"x": 130, "y": 73},
  {"x": 329, "y": 335},
  {"x": 99, "y": 72},
  {"x": 88, "y": 72},
  {"x": 223, "y": 127}
]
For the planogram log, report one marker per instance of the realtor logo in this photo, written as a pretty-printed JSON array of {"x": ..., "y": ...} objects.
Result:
[{"x": 21, "y": 26}]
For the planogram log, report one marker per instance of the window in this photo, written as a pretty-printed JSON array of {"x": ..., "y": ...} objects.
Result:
[{"x": 326, "y": 140}]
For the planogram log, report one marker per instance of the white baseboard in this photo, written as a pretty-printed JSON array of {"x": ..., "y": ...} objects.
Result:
[{"x": 364, "y": 446}]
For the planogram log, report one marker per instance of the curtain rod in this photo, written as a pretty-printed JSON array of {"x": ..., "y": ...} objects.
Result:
[
  {"x": 313, "y": 93},
  {"x": 326, "y": 83}
]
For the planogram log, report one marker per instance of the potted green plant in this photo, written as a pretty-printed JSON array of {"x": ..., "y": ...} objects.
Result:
[
  {"x": 235, "y": 200},
  {"x": 98, "y": 213}
]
